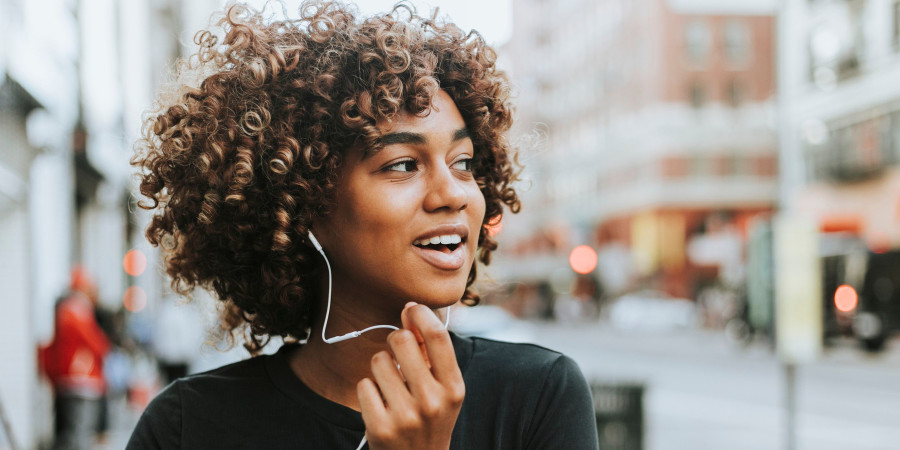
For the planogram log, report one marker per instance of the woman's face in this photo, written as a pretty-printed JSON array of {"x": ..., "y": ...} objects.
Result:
[{"x": 407, "y": 217}]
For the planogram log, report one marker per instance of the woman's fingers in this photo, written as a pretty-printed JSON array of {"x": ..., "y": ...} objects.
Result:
[
  {"x": 411, "y": 360},
  {"x": 371, "y": 403},
  {"x": 420, "y": 412},
  {"x": 407, "y": 324},
  {"x": 391, "y": 385},
  {"x": 438, "y": 347}
]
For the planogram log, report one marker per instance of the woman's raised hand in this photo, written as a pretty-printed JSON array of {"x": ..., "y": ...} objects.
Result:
[{"x": 416, "y": 406}]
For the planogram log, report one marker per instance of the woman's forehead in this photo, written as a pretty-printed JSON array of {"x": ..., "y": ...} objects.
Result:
[{"x": 441, "y": 117}]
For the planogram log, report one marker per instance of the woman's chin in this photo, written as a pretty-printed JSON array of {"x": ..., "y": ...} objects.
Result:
[{"x": 438, "y": 298}]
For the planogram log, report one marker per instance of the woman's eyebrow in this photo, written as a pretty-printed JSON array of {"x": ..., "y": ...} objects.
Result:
[
  {"x": 401, "y": 138},
  {"x": 405, "y": 137},
  {"x": 461, "y": 134}
]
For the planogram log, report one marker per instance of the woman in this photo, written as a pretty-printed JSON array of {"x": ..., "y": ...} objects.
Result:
[{"x": 331, "y": 180}]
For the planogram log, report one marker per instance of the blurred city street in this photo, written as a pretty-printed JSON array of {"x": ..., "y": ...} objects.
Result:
[
  {"x": 710, "y": 190},
  {"x": 704, "y": 392}
]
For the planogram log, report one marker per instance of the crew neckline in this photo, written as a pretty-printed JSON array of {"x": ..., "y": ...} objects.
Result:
[
  {"x": 291, "y": 385},
  {"x": 278, "y": 367}
]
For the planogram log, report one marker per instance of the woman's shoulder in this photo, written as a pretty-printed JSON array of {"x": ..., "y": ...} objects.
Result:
[
  {"x": 169, "y": 400},
  {"x": 523, "y": 360},
  {"x": 536, "y": 395},
  {"x": 160, "y": 425}
]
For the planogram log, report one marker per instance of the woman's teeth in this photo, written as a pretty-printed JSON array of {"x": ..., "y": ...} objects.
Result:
[{"x": 445, "y": 240}]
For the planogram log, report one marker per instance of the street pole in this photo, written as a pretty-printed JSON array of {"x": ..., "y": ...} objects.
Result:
[
  {"x": 797, "y": 275},
  {"x": 798, "y": 306},
  {"x": 790, "y": 406}
]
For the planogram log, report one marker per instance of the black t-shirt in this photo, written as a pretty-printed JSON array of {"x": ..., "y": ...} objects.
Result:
[{"x": 518, "y": 396}]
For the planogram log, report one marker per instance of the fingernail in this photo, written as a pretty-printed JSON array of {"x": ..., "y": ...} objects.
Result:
[{"x": 410, "y": 304}]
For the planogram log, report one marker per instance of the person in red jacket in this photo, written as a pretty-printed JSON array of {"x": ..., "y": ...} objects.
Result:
[{"x": 73, "y": 362}]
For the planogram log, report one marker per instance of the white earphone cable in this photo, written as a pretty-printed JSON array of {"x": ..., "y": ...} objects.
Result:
[{"x": 352, "y": 334}]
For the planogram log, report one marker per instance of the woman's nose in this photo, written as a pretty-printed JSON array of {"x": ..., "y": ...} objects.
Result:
[{"x": 445, "y": 191}]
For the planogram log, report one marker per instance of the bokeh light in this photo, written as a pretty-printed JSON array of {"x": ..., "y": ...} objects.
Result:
[
  {"x": 135, "y": 299},
  {"x": 845, "y": 298},
  {"x": 879, "y": 242},
  {"x": 134, "y": 262},
  {"x": 583, "y": 259}
]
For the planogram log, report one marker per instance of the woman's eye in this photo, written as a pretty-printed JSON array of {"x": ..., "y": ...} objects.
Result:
[
  {"x": 463, "y": 164},
  {"x": 402, "y": 166}
]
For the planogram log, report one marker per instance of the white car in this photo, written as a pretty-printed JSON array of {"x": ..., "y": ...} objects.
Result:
[
  {"x": 489, "y": 321},
  {"x": 651, "y": 310}
]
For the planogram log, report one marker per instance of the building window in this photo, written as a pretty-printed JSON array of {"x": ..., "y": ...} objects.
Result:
[
  {"x": 737, "y": 42},
  {"x": 743, "y": 166},
  {"x": 675, "y": 167},
  {"x": 697, "y": 95},
  {"x": 698, "y": 40},
  {"x": 766, "y": 166},
  {"x": 701, "y": 166},
  {"x": 726, "y": 165},
  {"x": 736, "y": 93},
  {"x": 836, "y": 45}
]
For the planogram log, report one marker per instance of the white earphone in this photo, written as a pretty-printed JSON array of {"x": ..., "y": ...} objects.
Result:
[{"x": 352, "y": 334}]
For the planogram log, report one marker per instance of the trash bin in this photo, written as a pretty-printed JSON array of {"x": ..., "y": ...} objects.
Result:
[{"x": 619, "y": 410}]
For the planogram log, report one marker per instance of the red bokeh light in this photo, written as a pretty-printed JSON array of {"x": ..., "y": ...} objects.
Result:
[
  {"x": 879, "y": 242},
  {"x": 583, "y": 259},
  {"x": 134, "y": 262},
  {"x": 135, "y": 299},
  {"x": 845, "y": 298}
]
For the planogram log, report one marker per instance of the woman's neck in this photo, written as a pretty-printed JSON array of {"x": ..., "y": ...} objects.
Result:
[{"x": 333, "y": 370}]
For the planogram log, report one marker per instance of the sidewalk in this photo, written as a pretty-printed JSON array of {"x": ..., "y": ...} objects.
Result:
[
  {"x": 701, "y": 343},
  {"x": 122, "y": 419},
  {"x": 703, "y": 392}
]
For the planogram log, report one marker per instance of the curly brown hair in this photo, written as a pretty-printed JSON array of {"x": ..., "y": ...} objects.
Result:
[{"x": 237, "y": 166}]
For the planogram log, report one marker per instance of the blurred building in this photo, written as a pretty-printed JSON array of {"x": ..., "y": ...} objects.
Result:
[
  {"x": 38, "y": 111},
  {"x": 654, "y": 139},
  {"x": 75, "y": 78},
  {"x": 840, "y": 110}
]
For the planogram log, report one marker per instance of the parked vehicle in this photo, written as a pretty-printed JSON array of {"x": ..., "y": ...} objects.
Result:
[
  {"x": 651, "y": 310},
  {"x": 492, "y": 322},
  {"x": 861, "y": 290}
]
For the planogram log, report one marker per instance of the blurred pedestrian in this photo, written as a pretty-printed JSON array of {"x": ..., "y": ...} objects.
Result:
[
  {"x": 331, "y": 179},
  {"x": 73, "y": 361}
]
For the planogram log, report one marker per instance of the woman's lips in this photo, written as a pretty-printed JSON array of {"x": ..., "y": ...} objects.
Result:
[{"x": 453, "y": 260}]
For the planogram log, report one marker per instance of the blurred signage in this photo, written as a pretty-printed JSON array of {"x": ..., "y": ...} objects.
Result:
[
  {"x": 645, "y": 243},
  {"x": 658, "y": 241},
  {"x": 798, "y": 290}
]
